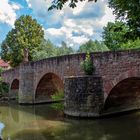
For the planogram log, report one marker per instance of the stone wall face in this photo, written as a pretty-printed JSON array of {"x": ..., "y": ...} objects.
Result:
[
  {"x": 112, "y": 67},
  {"x": 83, "y": 96},
  {"x": 26, "y": 84}
]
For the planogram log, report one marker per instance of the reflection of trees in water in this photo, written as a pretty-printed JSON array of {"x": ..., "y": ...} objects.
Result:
[
  {"x": 120, "y": 128},
  {"x": 42, "y": 123},
  {"x": 15, "y": 114}
]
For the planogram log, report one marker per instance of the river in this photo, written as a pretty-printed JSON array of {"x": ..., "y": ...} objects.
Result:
[{"x": 43, "y": 122}]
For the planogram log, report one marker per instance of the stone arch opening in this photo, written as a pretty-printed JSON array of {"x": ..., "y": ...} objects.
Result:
[
  {"x": 125, "y": 95},
  {"x": 49, "y": 85},
  {"x": 15, "y": 84},
  {"x": 14, "y": 89}
]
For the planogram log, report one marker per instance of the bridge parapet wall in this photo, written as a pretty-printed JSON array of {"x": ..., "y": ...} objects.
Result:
[
  {"x": 111, "y": 66},
  {"x": 114, "y": 67}
]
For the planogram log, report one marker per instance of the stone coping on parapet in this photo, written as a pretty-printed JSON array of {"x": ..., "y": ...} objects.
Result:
[{"x": 82, "y": 76}]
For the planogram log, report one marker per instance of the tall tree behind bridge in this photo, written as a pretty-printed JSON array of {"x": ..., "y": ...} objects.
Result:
[
  {"x": 22, "y": 41},
  {"x": 114, "y": 35},
  {"x": 129, "y": 12},
  {"x": 93, "y": 46}
]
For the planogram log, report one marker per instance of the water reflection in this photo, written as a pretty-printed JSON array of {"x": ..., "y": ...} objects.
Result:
[{"x": 44, "y": 123}]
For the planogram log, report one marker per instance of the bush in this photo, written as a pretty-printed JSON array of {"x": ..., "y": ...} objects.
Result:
[
  {"x": 87, "y": 65},
  {"x": 58, "y": 96},
  {"x": 4, "y": 88}
]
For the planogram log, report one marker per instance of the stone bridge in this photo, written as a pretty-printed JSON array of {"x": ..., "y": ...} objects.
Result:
[{"x": 35, "y": 82}]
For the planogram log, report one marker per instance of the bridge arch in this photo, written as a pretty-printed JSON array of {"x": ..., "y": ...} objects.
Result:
[
  {"x": 14, "y": 89},
  {"x": 48, "y": 85},
  {"x": 126, "y": 93},
  {"x": 15, "y": 84},
  {"x": 109, "y": 84}
]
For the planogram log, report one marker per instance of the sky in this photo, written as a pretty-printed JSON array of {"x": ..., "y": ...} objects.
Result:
[{"x": 74, "y": 26}]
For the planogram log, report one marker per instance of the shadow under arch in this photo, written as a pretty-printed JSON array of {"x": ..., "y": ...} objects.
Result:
[
  {"x": 14, "y": 89},
  {"x": 124, "y": 96},
  {"x": 49, "y": 85}
]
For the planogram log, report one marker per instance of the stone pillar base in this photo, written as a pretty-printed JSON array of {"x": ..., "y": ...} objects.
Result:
[{"x": 83, "y": 96}]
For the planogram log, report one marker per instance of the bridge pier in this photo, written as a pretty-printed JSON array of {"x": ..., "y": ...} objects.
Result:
[
  {"x": 26, "y": 85},
  {"x": 83, "y": 96}
]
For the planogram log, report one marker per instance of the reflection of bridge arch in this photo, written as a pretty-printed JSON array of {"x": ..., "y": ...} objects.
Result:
[
  {"x": 48, "y": 85},
  {"x": 125, "y": 93},
  {"x": 14, "y": 89}
]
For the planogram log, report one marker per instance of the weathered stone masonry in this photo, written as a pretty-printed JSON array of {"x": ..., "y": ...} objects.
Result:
[
  {"x": 114, "y": 68},
  {"x": 83, "y": 96}
]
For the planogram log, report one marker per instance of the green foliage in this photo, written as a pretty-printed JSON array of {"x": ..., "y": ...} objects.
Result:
[
  {"x": 63, "y": 49},
  {"x": 114, "y": 35},
  {"x": 128, "y": 11},
  {"x": 93, "y": 46},
  {"x": 131, "y": 44},
  {"x": 47, "y": 50},
  {"x": 87, "y": 65},
  {"x": 4, "y": 88},
  {"x": 58, "y": 4},
  {"x": 27, "y": 34},
  {"x": 58, "y": 106},
  {"x": 58, "y": 96},
  {"x": 1, "y": 70},
  {"x": 50, "y": 50}
]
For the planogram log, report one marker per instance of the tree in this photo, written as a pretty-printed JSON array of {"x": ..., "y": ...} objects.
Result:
[
  {"x": 128, "y": 11},
  {"x": 114, "y": 35},
  {"x": 58, "y": 4},
  {"x": 63, "y": 50},
  {"x": 93, "y": 46},
  {"x": 22, "y": 41},
  {"x": 131, "y": 44},
  {"x": 47, "y": 50},
  {"x": 4, "y": 87}
]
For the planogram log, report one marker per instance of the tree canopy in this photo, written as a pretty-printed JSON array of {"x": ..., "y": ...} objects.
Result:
[
  {"x": 22, "y": 41},
  {"x": 114, "y": 35},
  {"x": 125, "y": 11},
  {"x": 93, "y": 46},
  {"x": 128, "y": 11},
  {"x": 48, "y": 49},
  {"x": 58, "y": 4}
]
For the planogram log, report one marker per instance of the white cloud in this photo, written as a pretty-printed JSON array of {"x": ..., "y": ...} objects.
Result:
[
  {"x": 74, "y": 26},
  {"x": 8, "y": 12},
  {"x": 107, "y": 17}
]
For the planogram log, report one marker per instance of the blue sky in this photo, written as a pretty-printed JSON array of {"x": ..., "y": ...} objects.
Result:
[{"x": 74, "y": 26}]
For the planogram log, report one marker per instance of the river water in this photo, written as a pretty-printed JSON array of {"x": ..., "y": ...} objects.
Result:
[{"x": 42, "y": 122}]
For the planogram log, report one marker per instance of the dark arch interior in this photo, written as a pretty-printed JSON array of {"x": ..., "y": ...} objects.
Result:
[
  {"x": 15, "y": 84},
  {"x": 14, "y": 89},
  {"x": 49, "y": 84},
  {"x": 124, "y": 95}
]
